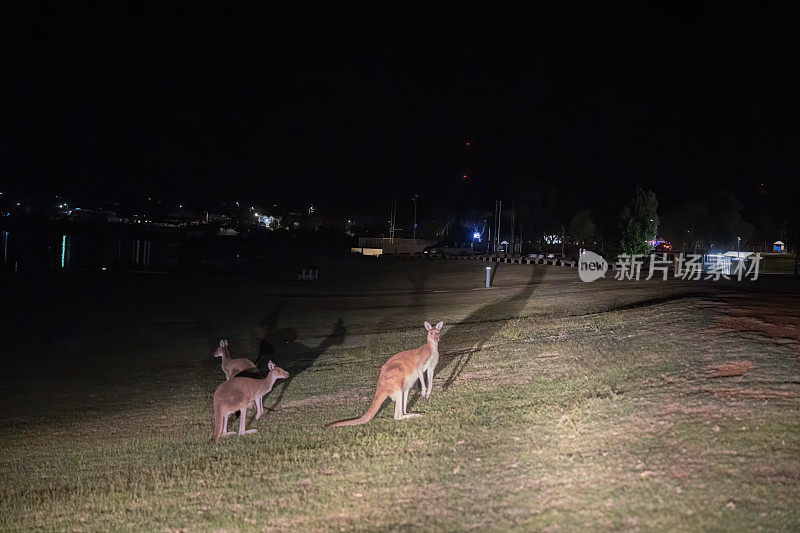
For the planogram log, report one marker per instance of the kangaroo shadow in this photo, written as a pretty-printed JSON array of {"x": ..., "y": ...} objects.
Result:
[
  {"x": 294, "y": 357},
  {"x": 469, "y": 336}
]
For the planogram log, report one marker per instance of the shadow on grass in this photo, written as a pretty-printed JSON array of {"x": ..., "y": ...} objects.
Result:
[
  {"x": 462, "y": 340},
  {"x": 293, "y": 356}
]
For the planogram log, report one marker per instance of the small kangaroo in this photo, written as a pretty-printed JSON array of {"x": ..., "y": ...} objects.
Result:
[
  {"x": 230, "y": 366},
  {"x": 237, "y": 394},
  {"x": 399, "y": 374}
]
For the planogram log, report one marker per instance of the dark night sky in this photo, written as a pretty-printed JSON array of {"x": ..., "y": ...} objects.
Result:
[{"x": 354, "y": 103}]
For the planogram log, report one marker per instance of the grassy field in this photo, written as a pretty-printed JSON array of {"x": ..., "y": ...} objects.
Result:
[
  {"x": 778, "y": 264},
  {"x": 557, "y": 404}
]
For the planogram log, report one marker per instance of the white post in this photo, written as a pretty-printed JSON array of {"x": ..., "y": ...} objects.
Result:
[{"x": 488, "y": 277}]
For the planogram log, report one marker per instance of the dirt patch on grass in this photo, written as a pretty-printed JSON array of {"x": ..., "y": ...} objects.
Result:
[
  {"x": 728, "y": 370},
  {"x": 772, "y": 316},
  {"x": 775, "y": 331}
]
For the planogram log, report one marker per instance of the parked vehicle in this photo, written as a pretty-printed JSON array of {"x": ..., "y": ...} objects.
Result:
[{"x": 448, "y": 249}]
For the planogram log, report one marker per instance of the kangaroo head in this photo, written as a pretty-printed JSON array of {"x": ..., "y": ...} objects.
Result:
[
  {"x": 222, "y": 351},
  {"x": 433, "y": 332},
  {"x": 277, "y": 371}
]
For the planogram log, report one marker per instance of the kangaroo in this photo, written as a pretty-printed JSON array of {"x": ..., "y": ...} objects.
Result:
[
  {"x": 230, "y": 366},
  {"x": 399, "y": 374},
  {"x": 237, "y": 394}
]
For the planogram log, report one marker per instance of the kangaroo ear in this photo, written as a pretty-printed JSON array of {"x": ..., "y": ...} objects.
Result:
[
  {"x": 271, "y": 365},
  {"x": 428, "y": 326},
  {"x": 439, "y": 325},
  {"x": 222, "y": 343}
]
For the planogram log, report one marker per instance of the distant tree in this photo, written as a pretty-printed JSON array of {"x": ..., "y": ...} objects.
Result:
[
  {"x": 639, "y": 221},
  {"x": 441, "y": 224},
  {"x": 540, "y": 211},
  {"x": 582, "y": 227},
  {"x": 476, "y": 222},
  {"x": 726, "y": 214},
  {"x": 687, "y": 222}
]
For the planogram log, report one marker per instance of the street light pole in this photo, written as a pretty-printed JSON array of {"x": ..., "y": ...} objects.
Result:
[
  {"x": 415, "y": 197},
  {"x": 499, "y": 221}
]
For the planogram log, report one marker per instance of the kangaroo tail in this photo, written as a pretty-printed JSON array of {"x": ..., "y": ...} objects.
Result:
[
  {"x": 218, "y": 419},
  {"x": 377, "y": 401}
]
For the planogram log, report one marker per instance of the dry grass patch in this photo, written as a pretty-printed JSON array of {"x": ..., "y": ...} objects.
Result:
[{"x": 728, "y": 370}]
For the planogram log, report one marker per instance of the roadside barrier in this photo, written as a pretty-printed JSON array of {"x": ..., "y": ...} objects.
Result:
[{"x": 552, "y": 261}]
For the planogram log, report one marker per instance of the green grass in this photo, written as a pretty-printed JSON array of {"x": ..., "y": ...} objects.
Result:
[
  {"x": 778, "y": 264},
  {"x": 595, "y": 421}
]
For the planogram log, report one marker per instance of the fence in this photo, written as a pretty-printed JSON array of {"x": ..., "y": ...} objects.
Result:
[{"x": 394, "y": 246}]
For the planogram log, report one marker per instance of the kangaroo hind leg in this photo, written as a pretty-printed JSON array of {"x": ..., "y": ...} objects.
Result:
[
  {"x": 225, "y": 431},
  {"x": 398, "y": 407},
  {"x": 404, "y": 408},
  {"x": 242, "y": 421}
]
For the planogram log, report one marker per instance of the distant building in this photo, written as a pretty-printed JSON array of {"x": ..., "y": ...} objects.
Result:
[{"x": 269, "y": 221}]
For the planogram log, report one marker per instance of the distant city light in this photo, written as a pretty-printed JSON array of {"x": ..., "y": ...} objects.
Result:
[
  {"x": 464, "y": 176},
  {"x": 180, "y": 205},
  {"x": 476, "y": 235}
]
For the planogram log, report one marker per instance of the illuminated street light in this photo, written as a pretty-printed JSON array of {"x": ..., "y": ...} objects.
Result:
[{"x": 414, "y": 199}]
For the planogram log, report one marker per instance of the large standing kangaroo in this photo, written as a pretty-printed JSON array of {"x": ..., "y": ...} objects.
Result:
[{"x": 399, "y": 374}]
